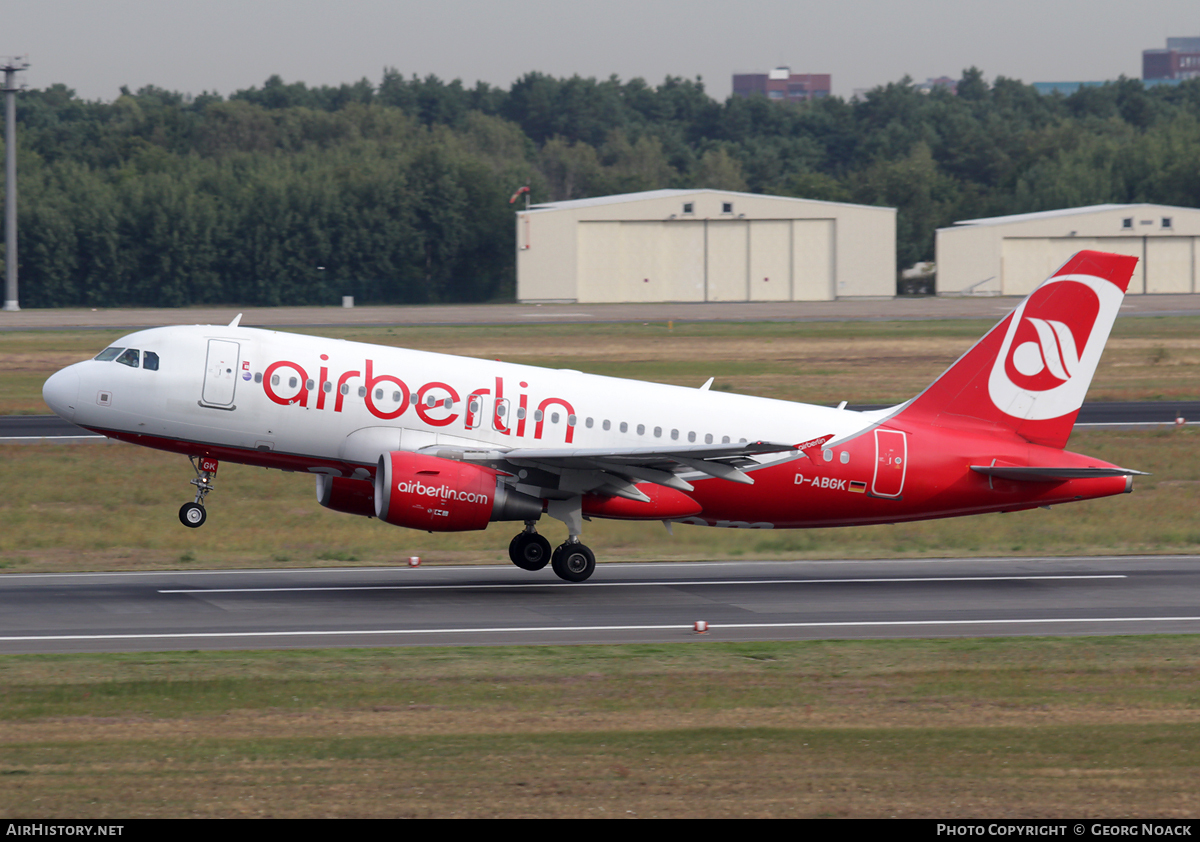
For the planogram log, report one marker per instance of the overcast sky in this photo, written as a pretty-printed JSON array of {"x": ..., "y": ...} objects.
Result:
[{"x": 95, "y": 46}]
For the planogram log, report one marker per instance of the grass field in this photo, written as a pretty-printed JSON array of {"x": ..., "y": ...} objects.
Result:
[
  {"x": 1093, "y": 727},
  {"x": 1089, "y": 727}
]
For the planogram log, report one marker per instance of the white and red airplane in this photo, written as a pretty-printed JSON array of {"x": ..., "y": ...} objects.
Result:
[{"x": 443, "y": 443}]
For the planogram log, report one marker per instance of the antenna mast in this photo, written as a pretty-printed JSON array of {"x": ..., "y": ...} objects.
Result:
[{"x": 11, "y": 65}]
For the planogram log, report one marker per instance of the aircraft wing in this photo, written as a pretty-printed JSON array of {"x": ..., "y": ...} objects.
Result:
[{"x": 615, "y": 471}]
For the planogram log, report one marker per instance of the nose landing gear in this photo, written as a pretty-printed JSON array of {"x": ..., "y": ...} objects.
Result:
[{"x": 192, "y": 514}]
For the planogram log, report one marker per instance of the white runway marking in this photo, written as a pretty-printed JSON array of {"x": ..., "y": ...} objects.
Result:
[
  {"x": 664, "y": 583},
  {"x": 543, "y": 629}
]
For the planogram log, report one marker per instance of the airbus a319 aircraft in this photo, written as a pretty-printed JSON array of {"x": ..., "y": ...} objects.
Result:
[{"x": 443, "y": 443}]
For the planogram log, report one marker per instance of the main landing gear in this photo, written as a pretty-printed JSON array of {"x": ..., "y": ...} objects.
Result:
[
  {"x": 192, "y": 514},
  {"x": 529, "y": 550},
  {"x": 571, "y": 560}
]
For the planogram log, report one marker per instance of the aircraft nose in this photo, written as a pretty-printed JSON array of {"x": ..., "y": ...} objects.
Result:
[{"x": 61, "y": 392}]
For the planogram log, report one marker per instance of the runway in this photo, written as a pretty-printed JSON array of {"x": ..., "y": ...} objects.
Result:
[{"x": 622, "y": 603}]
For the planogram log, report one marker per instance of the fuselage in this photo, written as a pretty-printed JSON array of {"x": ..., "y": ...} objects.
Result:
[{"x": 328, "y": 406}]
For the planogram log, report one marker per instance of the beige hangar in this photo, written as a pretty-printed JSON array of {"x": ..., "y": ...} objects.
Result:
[
  {"x": 1010, "y": 255},
  {"x": 703, "y": 245}
]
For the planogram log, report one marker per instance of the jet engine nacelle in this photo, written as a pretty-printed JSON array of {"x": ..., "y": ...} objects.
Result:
[
  {"x": 440, "y": 495},
  {"x": 352, "y": 496}
]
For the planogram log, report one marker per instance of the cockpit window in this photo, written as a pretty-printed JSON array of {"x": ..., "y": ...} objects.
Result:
[
  {"x": 129, "y": 358},
  {"x": 150, "y": 361},
  {"x": 108, "y": 354}
]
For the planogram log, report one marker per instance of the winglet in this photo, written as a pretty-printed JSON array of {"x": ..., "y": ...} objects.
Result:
[
  {"x": 812, "y": 447},
  {"x": 707, "y": 384},
  {"x": 236, "y": 320}
]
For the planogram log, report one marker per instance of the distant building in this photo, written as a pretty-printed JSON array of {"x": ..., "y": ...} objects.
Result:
[
  {"x": 1064, "y": 88},
  {"x": 930, "y": 85},
  {"x": 783, "y": 85},
  {"x": 1010, "y": 255},
  {"x": 1180, "y": 60},
  {"x": 704, "y": 245}
]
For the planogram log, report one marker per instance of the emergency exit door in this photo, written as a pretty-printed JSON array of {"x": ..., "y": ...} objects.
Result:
[{"x": 891, "y": 463}]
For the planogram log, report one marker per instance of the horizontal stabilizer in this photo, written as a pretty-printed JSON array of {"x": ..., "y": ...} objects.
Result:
[{"x": 1052, "y": 474}]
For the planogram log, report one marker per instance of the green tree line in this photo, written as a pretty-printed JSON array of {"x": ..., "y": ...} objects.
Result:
[{"x": 398, "y": 192}]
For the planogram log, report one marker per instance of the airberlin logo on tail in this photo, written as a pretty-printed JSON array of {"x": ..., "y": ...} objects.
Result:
[
  {"x": 1050, "y": 350},
  {"x": 1053, "y": 352}
]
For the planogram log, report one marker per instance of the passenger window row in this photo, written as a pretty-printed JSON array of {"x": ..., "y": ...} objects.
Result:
[{"x": 606, "y": 425}]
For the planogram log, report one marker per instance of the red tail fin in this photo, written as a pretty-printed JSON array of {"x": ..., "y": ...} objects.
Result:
[{"x": 1030, "y": 373}]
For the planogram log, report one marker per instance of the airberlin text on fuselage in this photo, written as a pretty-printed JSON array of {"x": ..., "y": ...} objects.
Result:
[{"x": 501, "y": 420}]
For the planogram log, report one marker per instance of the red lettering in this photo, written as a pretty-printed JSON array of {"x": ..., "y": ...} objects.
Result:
[
  {"x": 337, "y": 403},
  {"x": 423, "y": 410},
  {"x": 384, "y": 378},
  {"x": 537, "y": 430},
  {"x": 321, "y": 385},
  {"x": 301, "y": 396},
  {"x": 521, "y": 414},
  {"x": 497, "y": 419},
  {"x": 474, "y": 404}
]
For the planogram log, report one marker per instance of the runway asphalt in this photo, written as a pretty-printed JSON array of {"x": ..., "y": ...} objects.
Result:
[{"x": 622, "y": 603}]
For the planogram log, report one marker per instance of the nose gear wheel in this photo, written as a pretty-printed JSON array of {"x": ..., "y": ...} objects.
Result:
[{"x": 192, "y": 515}]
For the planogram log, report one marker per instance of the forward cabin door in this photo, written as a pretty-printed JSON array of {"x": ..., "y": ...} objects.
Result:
[{"x": 221, "y": 372}]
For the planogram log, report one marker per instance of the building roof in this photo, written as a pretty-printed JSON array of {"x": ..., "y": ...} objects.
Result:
[
  {"x": 597, "y": 201},
  {"x": 1053, "y": 214}
]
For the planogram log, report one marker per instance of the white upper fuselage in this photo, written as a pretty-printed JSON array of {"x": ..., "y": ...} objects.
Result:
[{"x": 330, "y": 400}]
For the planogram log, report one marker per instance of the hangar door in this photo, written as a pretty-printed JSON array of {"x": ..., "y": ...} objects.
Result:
[
  {"x": 1171, "y": 264},
  {"x": 706, "y": 260},
  {"x": 813, "y": 260},
  {"x": 641, "y": 261},
  {"x": 1025, "y": 263},
  {"x": 770, "y": 260}
]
